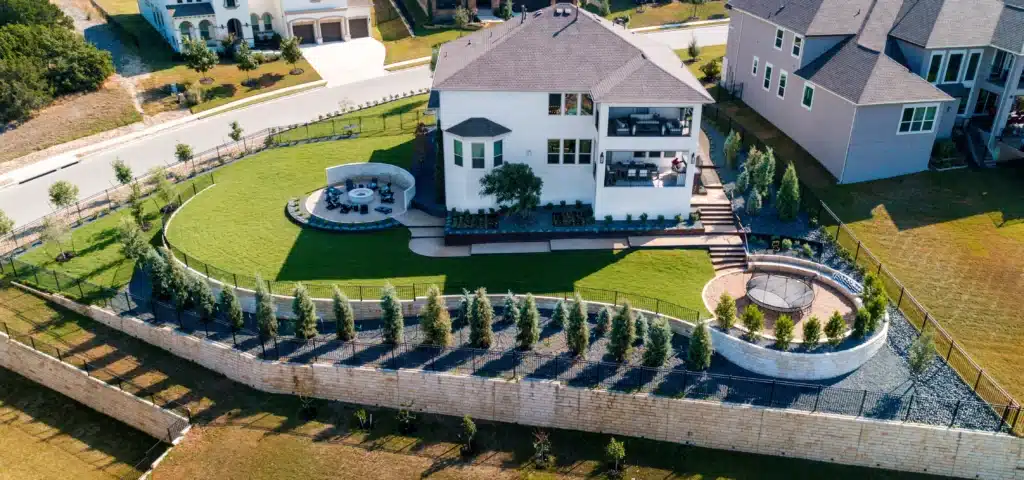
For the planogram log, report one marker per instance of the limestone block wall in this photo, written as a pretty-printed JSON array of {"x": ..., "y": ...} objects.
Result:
[
  {"x": 63, "y": 378},
  {"x": 815, "y": 436}
]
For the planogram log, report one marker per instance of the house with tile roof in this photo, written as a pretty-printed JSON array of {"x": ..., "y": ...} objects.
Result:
[
  {"x": 601, "y": 115},
  {"x": 868, "y": 86}
]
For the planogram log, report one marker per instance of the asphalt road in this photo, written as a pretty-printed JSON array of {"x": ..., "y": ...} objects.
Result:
[{"x": 29, "y": 201}]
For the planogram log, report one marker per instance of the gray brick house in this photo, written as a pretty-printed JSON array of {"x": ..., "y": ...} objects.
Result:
[{"x": 868, "y": 86}]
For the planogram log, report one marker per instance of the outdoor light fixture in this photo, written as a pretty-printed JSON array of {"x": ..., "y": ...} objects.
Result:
[{"x": 601, "y": 158}]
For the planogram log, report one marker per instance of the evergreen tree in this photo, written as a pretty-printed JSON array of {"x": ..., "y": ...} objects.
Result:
[
  {"x": 641, "y": 328},
  {"x": 921, "y": 354},
  {"x": 698, "y": 355},
  {"x": 480, "y": 320},
  {"x": 559, "y": 314},
  {"x": 266, "y": 318},
  {"x": 693, "y": 48},
  {"x": 725, "y": 312},
  {"x": 606, "y": 8},
  {"x": 393, "y": 323},
  {"x": 577, "y": 332},
  {"x": 305, "y": 313},
  {"x": 623, "y": 333},
  {"x": 743, "y": 179},
  {"x": 860, "y": 323},
  {"x": 764, "y": 174},
  {"x": 506, "y": 10},
  {"x": 783, "y": 332},
  {"x": 203, "y": 299},
  {"x": 812, "y": 332},
  {"x": 178, "y": 279},
  {"x": 529, "y": 323},
  {"x": 875, "y": 300},
  {"x": 344, "y": 317},
  {"x": 788, "y": 199},
  {"x": 155, "y": 266},
  {"x": 733, "y": 144},
  {"x": 604, "y": 321},
  {"x": 437, "y": 325},
  {"x": 462, "y": 312},
  {"x": 754, "y": 202},
  {"x": 231, "y": 309},
  {"x": 509, "y": 309},
  {"x": 659, "y": 345},
  {"x": 835, "y": 328},
  {"x": 136, "y": 207},
  {"x": 753, "y": 321}
]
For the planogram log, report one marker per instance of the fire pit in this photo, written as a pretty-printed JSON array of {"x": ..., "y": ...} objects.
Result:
[{"x": 360, "y": 196}]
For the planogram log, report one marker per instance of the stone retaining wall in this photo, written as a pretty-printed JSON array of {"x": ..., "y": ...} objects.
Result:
[
  {"x": 60, "y": 377},
  {"x": 815, "y": 436}
]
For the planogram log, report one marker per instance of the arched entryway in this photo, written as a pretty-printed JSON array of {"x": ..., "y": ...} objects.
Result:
[
  {"x": 185, "y": 28},
  {"x": 235, "y": 28}
]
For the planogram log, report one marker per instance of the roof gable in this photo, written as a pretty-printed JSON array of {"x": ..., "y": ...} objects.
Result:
[{"x": 810, "y": 17}]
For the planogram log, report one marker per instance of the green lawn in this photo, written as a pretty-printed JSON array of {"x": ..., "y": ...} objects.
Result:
[
  {"x": 707, "y": 54},
  {"x": 401, "y": 117}
]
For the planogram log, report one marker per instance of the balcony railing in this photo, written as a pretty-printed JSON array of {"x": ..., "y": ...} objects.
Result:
[
  {"x": 644, "y": 175},
  {"x": 999, "y": 78}
]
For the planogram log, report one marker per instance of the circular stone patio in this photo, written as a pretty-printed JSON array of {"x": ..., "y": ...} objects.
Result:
[
  {"x": 316, "y": 204},
  {"x": 826, "y": 301}
]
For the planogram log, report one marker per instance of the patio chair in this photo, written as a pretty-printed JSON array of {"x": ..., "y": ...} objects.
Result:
[
  {"x": 620, "y": 126},
  {"x": 349, "y": 184},
  {"x": 641, "y": 173},
  {"x": 364, "y": 209},
  {"x": 373, "y": 183},
  {"x": 631, "y": 174}
]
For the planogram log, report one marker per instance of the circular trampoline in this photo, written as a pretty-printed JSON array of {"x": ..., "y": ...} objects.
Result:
[{"x": 780, "y": 293}]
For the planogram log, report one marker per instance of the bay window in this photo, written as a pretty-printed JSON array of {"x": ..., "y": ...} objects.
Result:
[{"x": 478, "y": 154}]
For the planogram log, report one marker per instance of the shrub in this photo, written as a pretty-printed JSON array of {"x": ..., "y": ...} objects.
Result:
[
  {"x": 783, "y": 332},
  {"x": 509, "y": 309},
  {"x": 122, "y": 172},
  {"x": 231, "y": 309},
  {"x": 711, "y": 70},
  {"x": 629, "y": 218},
  {"x": 462, "y": 312},
  {"x": 643, "y": 218},
  {"x": 788, "y": 199},
  {"x": 725, "y": 312},
  {"x": 480, "y": 319},
  {"x": 698, "y": 355},
  {"x": 155, "y": 266},
  {"x": 559, "y": 314},
  {"x": 265, "y": 317},
  {"x": 693, "y": 48},
  {"x": 542, "y": 457},
  {"x": 461, "y": 17},
  {"x": 860, "y": 323},
  {"x": 505, "y": 12},
  {"x": 133, "y": 244},
  {"x": 875, "y": 300},
  {"x": 608, "y": 219},
  {"x": 344, "y": 317},
  {"x": 743, "y": 180},
  {"x": 436, "y": 323},
  {"x": 202, "y": 298},
  {"x": 753, "y": 321},
  {"x": 406, "y": 420},
  {"x": 659, "y": 345},
  {"x": 305, "y": 313},
  {"x": 577, "y": 333},
  {"x": 808, "y": 251},
  {"x": 753, "y": 205},
  {"x": 921, "y": 354},
  {"x": 812, "y": 332},
  {"x": 529, "y": 321},
  {"x": 787, "y": 244},
  {"x": 236, "y": 131},
  {"x": 733, "y": 144},
  {"x": 66, "y": 60},
  {"x": 468, "y": 433},
  {"x": 835, "y": 328},
  {"x": 615, "y": 453},
  {"x": 393, "y": 323},
  {"x": 623, "y": 333},
  {"x": 641, "y": 328},
  {"x": 22, "y": 89},
  {"x": 606, "y": 8},
  {"x": 181, "y": 292},
  {"x": 604, "y": 321}
]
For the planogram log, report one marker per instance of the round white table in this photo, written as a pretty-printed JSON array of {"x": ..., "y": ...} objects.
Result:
[{"x": 360, "y": 196}]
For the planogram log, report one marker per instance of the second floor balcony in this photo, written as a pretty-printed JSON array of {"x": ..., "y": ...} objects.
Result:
[
  {"x": 645, "y": 174},
  {"x": 650, "y": 122}
]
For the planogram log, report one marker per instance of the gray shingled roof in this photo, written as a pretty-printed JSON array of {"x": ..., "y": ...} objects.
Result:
[
  {"x": 864, "y": 77},
  {"x": 1009, "y": 32},
  {"x": 553, "y": 53},
  {"x": 948, "y": 23},
  {"x": 477, "y": 127},
  {"x": 190, "y": 10},
  {"x": 810, "y": 17}
]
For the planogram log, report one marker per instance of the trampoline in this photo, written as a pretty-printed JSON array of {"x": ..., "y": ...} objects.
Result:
[{"x": 780, "y": 293}]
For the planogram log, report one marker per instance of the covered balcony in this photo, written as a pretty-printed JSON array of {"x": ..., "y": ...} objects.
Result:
[
  {"x": 646, "y": 169},
  {"x": 650, "y": 121}
]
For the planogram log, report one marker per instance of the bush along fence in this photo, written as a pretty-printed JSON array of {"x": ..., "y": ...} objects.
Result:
[
  {"x": 513, "y": 363},
  {"x": 110, "y": 200}
]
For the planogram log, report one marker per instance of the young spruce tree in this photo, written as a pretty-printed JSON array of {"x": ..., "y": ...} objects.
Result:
[
  {"x": 510, "y": 310},
  {"x": 812, "y": 332},
  {"x": 788, "y": 199},
  {"x": 437, "y": 325},
  {"x": 305, "y": 313},
  {"x": 559, "y": 314},
  {"x": 725, "y": 312},
  {"x": 577, "y": 332},
  {"x": 480, "y": 320},
  {"x": 641, "y": 329},
  {"x": 659, "y": 343},
  {"x": 604, "y": 321},
  {"x": 529, "y": 323},
  {"x": 231, "y": 309},
  {"x": 393, "y": 323},
  {"x": 203, "y": 299},
  {"x": 835, "y": 328},
  {"x": 698, "y": 355},
  {"x": 344, "y": 317},
  {"x": 623, "y": 333},
  {"x": 265, "y": 317}
]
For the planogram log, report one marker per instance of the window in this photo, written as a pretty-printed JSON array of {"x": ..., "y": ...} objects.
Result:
[
  {"x": 554, "y": 104},
  {"x": 934, "y": 67},
  {"x": 499, "y": 153},
  {"x": 668, "y": 154},
  {"x": 587, "y": 105},
  {"x": 477, "y": 149},
  {"x": 798, "y": 45},
  {"x": 458, "y": 153},
  {"x": 783, "y": 78},
  {"x": 653, "y": 154},
  {"x": 962, "y": 107},
  {"x": 780, "y": 36},
  {"x": 568, "y": 151},
  {"x": 808, "y": 99},
  {"x": 586, "y": 151},
  {"x": 231, "y": 3},
  {"x": 186, "y": 30},
  {"x": 972, "y": 66},
  {"x": 255, "y": 21},
  {"x": 639, "y": 154},
  {"x": 953, "y": 64},
  {"x": 572, "y": 103},
  {"x": 553, "y": 150},
  {"x": 767, "y": 76},
  {"x": 920, "y": 119},
  {"x": 204, "y": 29},
  {"x": 753, "y": 70}
]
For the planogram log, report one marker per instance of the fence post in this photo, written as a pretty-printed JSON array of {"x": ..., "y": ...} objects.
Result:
[
  {"x": 234, "y": 340},
  {"x": 977, "y": 380},
  {"x": 194, "y": 190},
  {"x": 910, "y": 406},
  {"x": 950, "y": 351},
  {"x": 14, "y": 268},
  {"x": 55, "y": 280},
  {"x": 35, "y": 273},
  {"x": 857, "y": 255},
  {"x": 616, "y": 298},
  {"x": 206, "y": 266},
  {"x": 263, "y": 346},
  {"x": 863, "y": 400},
  {"x": 235, "y": 276},
  {"x": 360, "y": 293},
  {"x": 956, "y": 410},
  {"x": 924, "y": 322},
  {"x": 277, "y": 349},
  {"x": 59, "y": 356},
  {"x": 32, "y": 341},
  {"x": 80, "y": 291},
  {"x": 900, "y": 301},
  {"x": 128, "y": 300},
  {"x": 771, "y": 395}
]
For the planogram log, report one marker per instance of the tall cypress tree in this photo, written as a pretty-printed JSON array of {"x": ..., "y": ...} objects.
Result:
[
  {"x": 480, "y": 319},
  {"x": 305, "y": 313},
  {"x": 698, "y": 356},
  {"x": 623, "y": 333},
  {"x": 659, "y": 345},
  {"x": 788, "y": 199},
  {"x": 203, "y": 299},
  {"x": 393, "y": 323},
  {"x": 462, "y": 312},
  {"x": 529, "y": 323},
  {"x": 265, "y": 311},
  {"x": 559, "y": 314},
  {"x": 436, "y": 324},
  {"x": 577, "y": 332},
  {"x": 231, "y": 309},
  {"x": 641, "y": 328},
  {"x": 344, "y": 317},
  {"x": 604, "y": 321}
]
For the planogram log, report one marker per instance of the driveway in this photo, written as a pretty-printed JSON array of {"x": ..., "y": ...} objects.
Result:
[{"x": 346, "y": 62}]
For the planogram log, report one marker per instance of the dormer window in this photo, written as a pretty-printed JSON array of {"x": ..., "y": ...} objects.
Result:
[{"x": 780, "y": 36}]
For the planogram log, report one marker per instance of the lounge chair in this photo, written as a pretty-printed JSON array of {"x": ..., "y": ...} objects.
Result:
[{"x": 621, "y": 126}]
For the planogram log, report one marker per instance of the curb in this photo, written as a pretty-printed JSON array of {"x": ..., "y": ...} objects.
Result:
[{"x": 680, "y": 26}]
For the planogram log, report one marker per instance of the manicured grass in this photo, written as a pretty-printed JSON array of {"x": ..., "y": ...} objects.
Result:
[
  {"x": 255, "y": 191},
  {"x": 669, "y": 12},
  {"x": 707, "y": 54},
  {"x": 400, "y": 46},
  {"x": 402, "y": 117},
  {"x": 956, "y": 240},
  {"x": 46, "y": 435}
]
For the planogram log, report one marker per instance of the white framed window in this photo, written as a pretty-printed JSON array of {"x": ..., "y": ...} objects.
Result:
[
  {"x": 499, "y": 152},
  {"x": 458, "y": 153},
  {"x": 798, "y": 46},
  {"x": 568, "y": 151},
  {"x": 477, "y": 149},
  {"x": 753, "y": 69},
  {"x": 973, "y": 63},
  {"x": 767, "y": 84},
  {"x": 918, "y": 119},
  {"x": 780, "y": 37},
  {"x": 807, "y": 100},
  {"x": 586, "y": 104},
  {"x": 554, "y": 151},
  {"x": 554, "y": 104},
  {"x": 954, "y": 66},
  {"x": 586, "y": 151},
  {"x": 572, "y": 103},
  {"x": 783, "y": 80},
  {"x": 934, "y": 67}
]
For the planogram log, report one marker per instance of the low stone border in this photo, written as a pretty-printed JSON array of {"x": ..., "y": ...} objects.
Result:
[{"x": 298, "y": 214}]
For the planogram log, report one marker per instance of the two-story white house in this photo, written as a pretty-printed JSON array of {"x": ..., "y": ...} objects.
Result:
[
  {"x": 601, "y": 115},
  {"x": 313, "y": 21}
]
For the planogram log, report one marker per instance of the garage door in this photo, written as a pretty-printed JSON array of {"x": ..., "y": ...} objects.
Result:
[
  {"x": 331, "y": 31},
  {"x": 358, "y": 28},
  {"x": 305, "y": 33}
]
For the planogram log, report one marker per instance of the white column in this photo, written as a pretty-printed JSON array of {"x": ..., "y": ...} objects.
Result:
[
  {"x": 345, "y": 33},
  {"x": 316, "y": 32},
  {"x": 1006, "y": 101}
]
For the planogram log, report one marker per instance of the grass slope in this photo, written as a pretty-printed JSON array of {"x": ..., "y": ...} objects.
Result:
[{"x": 707, "y": 54}]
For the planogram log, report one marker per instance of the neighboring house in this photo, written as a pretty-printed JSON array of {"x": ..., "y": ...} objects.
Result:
[
  {"x": 868, "y": 86},
  {"x": 603, "y": 116},
  {"x": 255, "y": 21}
]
